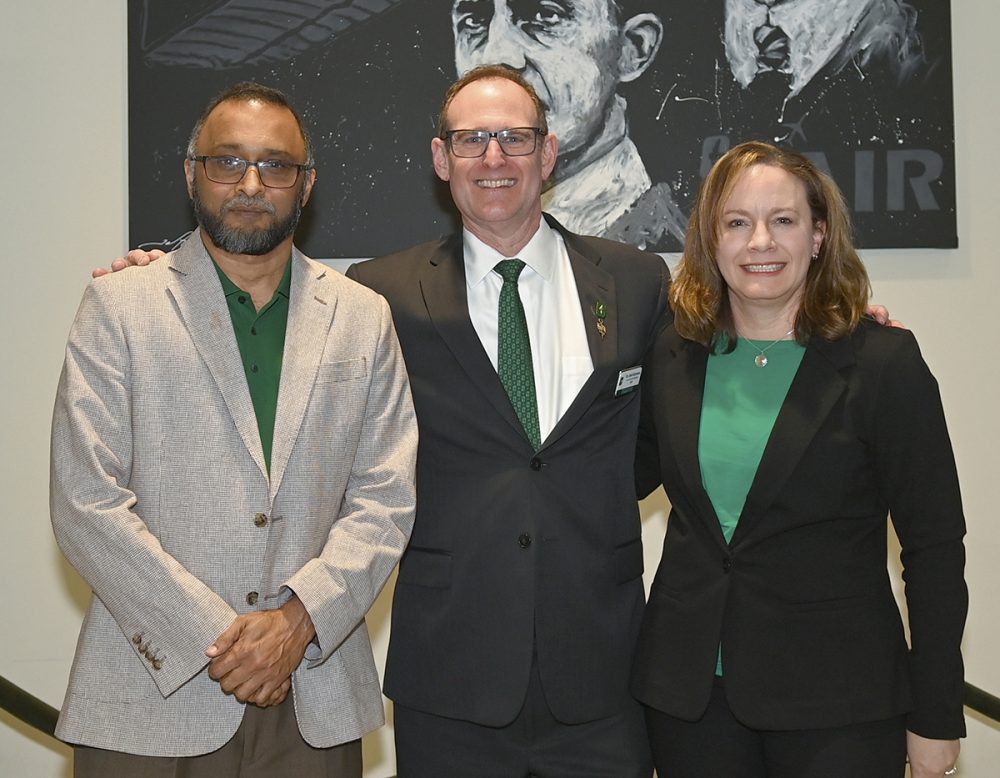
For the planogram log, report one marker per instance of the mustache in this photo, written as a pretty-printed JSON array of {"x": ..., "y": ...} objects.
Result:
[{"x": 245, "y": 201}]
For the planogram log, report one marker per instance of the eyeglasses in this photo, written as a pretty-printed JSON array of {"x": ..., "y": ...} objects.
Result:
[
  {"x": 273, "y": 173},
  {"x": 514, "y": 141}
]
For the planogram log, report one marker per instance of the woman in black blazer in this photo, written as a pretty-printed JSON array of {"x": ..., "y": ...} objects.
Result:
[{"x": 785, "y": 428}]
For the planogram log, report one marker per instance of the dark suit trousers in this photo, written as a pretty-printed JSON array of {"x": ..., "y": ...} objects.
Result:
[
  {"x": 719, "y": 745},
  {"x": 267, "y": 744},
  {"x": 534, "y": 745}
]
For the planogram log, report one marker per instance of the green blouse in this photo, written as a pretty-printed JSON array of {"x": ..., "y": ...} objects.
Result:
[{"x": 738, "y": 411}]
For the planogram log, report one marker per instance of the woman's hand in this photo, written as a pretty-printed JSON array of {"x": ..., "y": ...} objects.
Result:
[{"x": 931, "y": 758}]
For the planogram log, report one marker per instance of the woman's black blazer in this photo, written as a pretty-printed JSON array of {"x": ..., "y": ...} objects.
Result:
[{"x": 800, "y": 599}]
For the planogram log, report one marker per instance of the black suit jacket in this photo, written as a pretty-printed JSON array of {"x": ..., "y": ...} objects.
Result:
[
  {"x": 515, "y": 551},
  {"x": 800, "y": 599}
]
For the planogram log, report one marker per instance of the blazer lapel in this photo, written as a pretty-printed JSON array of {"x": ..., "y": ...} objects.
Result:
[
  {"x": 310, "y": 315},
  {"x": 681, "y": 392},
  {"x": 814, "y": 391},
  {"x": 595, "y": 287},
  {"x": 197, "y": 292},
  {"x": 443, "y": 287}
]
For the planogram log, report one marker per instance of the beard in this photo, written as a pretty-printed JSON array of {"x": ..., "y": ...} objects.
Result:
[{"x": 235, "y": 240}]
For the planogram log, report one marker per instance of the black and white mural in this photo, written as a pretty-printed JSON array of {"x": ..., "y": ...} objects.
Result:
[{"x": 643, "y": 95}]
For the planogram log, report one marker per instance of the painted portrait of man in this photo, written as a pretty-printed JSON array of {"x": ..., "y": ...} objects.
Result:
[
  {"x": 803, "y": 46},
  {"x": 576, "y": 54},
  {"x": 863, "y": 87}
]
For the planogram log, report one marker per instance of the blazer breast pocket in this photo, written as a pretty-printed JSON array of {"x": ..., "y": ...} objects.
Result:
[
  {"x": 425, "y": 567},
  {"x": 343, "y": 370}
]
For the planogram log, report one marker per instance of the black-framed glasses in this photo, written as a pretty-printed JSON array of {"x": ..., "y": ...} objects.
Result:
[
  {"x": 274, "y": 173},
  {"x": 514, "y": 141}
]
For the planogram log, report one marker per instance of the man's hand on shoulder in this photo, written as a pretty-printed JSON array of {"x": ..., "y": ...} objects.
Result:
[
  {"x": 135, "y": 258},
  {"x": 881, "y": 314}
]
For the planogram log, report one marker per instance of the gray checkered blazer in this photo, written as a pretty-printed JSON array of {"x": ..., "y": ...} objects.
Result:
[{"x": 161, "y": 500}]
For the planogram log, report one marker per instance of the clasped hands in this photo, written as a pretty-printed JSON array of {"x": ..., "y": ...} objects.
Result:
[{"x": 254, "y": 658}]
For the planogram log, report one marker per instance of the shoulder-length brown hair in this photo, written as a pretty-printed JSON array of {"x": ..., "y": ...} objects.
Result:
[{"x": 837, "y": 286}]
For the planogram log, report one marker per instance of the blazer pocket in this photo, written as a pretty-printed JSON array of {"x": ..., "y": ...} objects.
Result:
[
  {"x": 849, "y": 602},
  {"x": 628, "y": 563},
  {"x": 344, "y": 370},
  {"x": 426, "y": 567}
]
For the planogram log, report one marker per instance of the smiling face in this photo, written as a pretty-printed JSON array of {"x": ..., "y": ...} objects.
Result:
[
  {"x": 568, "y": 50},
  {"x": 766, "y": 239},
  {"x": 498, "y": 195},
  {"x": 248, "y": 218}
]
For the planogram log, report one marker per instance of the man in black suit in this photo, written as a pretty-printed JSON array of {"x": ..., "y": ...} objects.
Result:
[{"x": 518, "y": 602}]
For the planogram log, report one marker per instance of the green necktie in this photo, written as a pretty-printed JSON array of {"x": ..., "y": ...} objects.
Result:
[{"x": 514, "y": 351}]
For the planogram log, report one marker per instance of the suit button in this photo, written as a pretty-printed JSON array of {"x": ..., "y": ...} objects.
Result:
[
  {"x": 137, "y": 638},
  {"x": 536, "y": 464},
  {"x": 252, "y": 598},
  {"x": 524, "y": 540},
  {"x": 157, "y": 664},
  {"x": 260, "y": 520},
  {"x": 727, "y": 564}
]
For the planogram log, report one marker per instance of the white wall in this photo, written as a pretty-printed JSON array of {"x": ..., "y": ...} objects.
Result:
[
  {"x": 63, "y": 210},
  {"x": 62, "y": 81}
]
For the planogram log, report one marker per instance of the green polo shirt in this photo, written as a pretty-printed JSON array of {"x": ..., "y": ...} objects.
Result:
[{"x": 260, "y": 336}]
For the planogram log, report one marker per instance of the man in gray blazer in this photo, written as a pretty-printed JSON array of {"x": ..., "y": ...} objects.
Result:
[{"x": 233, "y": 453}]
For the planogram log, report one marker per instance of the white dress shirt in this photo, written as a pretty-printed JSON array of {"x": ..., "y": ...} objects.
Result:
[{"x": 560, "y": 354}]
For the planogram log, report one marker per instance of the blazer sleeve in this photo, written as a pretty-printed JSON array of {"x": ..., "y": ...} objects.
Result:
[
  {"x": 648, "y": 475},
  {"x": 919, "y": 483},
  {"x": 647, "y": 449},
  {"x": 376, "y": 516},
  {"x": 96, "y": 518}
]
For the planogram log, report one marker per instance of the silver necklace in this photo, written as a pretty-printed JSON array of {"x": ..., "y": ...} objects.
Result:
[{"x": 761, "y": 359}]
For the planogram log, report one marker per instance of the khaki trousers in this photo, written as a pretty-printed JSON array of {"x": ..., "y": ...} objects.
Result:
[{"x": 266, "y": 745}]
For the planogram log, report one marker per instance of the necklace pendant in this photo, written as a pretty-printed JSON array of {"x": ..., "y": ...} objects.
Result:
[{"x": 760, "y": 360}]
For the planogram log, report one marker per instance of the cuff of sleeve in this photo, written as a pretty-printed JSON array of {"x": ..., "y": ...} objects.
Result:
[
  {"x": 172, "y": 663},
  {"x": 936, "y": 727}
]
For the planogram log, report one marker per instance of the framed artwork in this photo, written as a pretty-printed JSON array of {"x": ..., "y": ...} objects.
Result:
[{"x": 642, "y": 95}]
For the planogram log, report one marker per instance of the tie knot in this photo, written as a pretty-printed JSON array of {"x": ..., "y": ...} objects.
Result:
[
  {"x": 509, "y": 269},
  {"x": 772, "y": 47}
]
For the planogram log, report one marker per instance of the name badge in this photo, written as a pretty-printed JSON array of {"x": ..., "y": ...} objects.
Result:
[{"x": 628, "y": 381}]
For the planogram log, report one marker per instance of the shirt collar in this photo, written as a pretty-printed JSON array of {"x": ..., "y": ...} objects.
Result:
[
  {"x": 539, "y": 254},
  {"x": 229, "y": 288}
]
